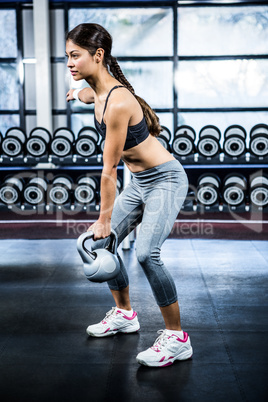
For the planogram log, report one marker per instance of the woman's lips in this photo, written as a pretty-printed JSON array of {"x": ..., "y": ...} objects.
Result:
[{"x": 74, "y": 72}]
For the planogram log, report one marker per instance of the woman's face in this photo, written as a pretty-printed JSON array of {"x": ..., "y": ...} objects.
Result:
[{"x": 80, "y": 63}]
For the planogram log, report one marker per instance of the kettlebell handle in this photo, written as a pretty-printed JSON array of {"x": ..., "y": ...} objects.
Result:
[{"x": 112, "y": 246}]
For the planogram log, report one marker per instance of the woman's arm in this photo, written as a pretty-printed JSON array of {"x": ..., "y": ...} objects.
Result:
[
  {"x": 85, "y": 95},
  {"x": 117, "y": 118}
]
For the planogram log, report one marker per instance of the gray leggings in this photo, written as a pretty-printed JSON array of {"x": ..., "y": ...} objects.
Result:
[{"x": 153, "y": 198}]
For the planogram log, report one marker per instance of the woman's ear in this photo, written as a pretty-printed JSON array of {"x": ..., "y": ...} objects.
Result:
[{"x": 99, "y": 55}]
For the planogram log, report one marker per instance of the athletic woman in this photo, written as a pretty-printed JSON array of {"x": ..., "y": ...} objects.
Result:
[{"x": 153, "y": 198}]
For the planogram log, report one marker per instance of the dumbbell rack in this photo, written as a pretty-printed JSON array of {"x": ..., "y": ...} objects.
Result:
[
  {"x": 222, "y": 165},
  {"x": 194, "y": 164},
  {"x": 49, "y": 166}
]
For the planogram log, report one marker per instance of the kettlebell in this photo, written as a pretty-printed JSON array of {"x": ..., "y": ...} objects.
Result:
[{"x": 101, "y": 264}]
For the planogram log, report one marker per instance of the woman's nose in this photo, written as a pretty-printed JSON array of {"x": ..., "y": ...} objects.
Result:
[{"x": 70, "y": 63}]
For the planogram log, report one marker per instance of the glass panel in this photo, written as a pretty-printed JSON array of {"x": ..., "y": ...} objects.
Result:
[
  {"x": 166, "y": 119},
  {"x": 135, "y": 31},
  {"x": 8, "y": 33},
  {"x": 7, "y": 121},
  {"x": 58, "y": 86},
  {"x": 151, "y": 81},
  {"x": 57, "y": 33},
  {"x": 222, "y": 30},
  {"x": 28, "y": 33},
  {"x": 9, "y": 99},
  {"x": 31, "y": 123},
  {"x": 228, "y": 83},
  {"x": 79, "y": 121},
  {"x": 222, "y": 120},
  {"x": 30, "y": 86},
  {"x": 59, "y": 121}
]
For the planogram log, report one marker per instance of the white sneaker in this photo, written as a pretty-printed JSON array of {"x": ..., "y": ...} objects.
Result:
[
  {"x": 166, "y": 349},
  {"x": 115, "y": 321}
]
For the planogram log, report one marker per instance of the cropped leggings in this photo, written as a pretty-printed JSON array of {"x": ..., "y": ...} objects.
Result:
[{"x": 152, "y": 198}]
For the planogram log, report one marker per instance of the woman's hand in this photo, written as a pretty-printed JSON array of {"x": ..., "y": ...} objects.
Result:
[
  {"x": 100, "y": 229},
  {"x": 69, "y": 96}
]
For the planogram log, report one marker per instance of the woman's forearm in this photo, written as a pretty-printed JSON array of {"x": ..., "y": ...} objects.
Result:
[
  {"x": 108, "y": 193},
  {"x": 86, "y": 95}
]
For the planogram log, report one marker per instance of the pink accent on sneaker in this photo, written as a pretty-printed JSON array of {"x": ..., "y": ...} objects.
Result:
[
  {"x": 167, "y": 364},
  {"x": 171, "y": 357},
  {"x": 163, "y": 358},
  {"x": 104, "y": 322},
  {"x": 184, "y": 339},
  {"x": 108, "y": 329},
  {"x": 128, "y": 318},
  {"x": 155, "y": 348}
]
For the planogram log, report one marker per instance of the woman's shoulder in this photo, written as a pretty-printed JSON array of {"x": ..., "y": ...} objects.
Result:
[{"x": 121, "y": 99}]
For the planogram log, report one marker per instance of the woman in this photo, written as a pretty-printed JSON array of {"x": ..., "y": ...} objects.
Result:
[{"x": 153, "y": 197}]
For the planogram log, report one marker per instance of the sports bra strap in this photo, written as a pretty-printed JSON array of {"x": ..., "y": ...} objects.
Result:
[{"x": 117, "y": 86}]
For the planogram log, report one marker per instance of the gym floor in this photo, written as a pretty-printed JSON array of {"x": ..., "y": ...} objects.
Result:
[{"x": 46, "y": 305}]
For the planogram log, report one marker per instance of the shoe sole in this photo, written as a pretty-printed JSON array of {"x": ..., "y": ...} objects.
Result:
[
  {"x": 183, "y": 356},
  {"x": 111, "y": 333}
]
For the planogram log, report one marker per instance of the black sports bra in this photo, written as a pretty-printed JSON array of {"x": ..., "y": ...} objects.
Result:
[{"x": 135, "y": 134}]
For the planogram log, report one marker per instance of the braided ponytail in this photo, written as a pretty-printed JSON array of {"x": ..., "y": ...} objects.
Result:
[
  {"x": 94, "y": 36},
  {"x": 151, "y": 118}
]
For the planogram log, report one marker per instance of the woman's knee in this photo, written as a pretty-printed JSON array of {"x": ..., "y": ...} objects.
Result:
[{"x": 146, "y": 255}]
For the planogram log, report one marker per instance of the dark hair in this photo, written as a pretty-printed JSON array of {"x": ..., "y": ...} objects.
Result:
[{"x": 92, "y": 37}]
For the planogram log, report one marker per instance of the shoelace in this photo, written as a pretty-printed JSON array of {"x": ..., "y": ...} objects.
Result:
[
  {"x": 109, "y": 314},
  {"x": 161, "y": 341}
]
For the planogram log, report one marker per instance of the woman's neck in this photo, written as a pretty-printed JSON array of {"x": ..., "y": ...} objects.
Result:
[{"x": 101, "y": 83}]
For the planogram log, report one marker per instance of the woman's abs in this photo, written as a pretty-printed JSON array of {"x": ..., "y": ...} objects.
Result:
[{"x": 146, "y": 155}]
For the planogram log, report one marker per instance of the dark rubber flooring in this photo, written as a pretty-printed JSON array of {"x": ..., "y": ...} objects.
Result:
[{"x": 46, "y": 305}]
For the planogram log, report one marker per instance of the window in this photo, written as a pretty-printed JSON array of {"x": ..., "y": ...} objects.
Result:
[
  {"x": 135, "y": 31},
  {"x": 222, "y": 73},
  {"x": 205, "y": 31},
  {"x": 9, "y": 88},
  {"x": 143, "y": 43},
  {"x": 8, "y": 33},
  {"x": 222, "y": 83}
]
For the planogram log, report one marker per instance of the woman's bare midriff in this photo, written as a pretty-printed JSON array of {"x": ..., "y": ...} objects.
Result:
[{"x": 146, "y": 155}]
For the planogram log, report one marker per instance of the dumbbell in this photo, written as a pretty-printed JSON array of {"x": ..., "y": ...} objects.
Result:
[
  {"x": 259, "y": 191},
  {"x": 259, "y": 140},
  {"x": 60, "y": 190},
  {"x": 13, "y": 143},
  {"x": 62, "y": 142},
  {"x": 234, "y": 189},
  {"x": 234, "y": 141},
  {"x": 10, "y": 190},
  {"x": 101, "y": 146},
  {"x": 35, "y": 191},
  {"x": 208, "y": 187},
  {"x": 164, "y": 137},
  {"x": 1, "y": 139},
  {"x": 86, "y": 188},
  {"x": 183, "y": 143},
  {"x": 209, "y": 141},
  {"x": 38, "y": 142},
  {"x": 87, "y": 142}
]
